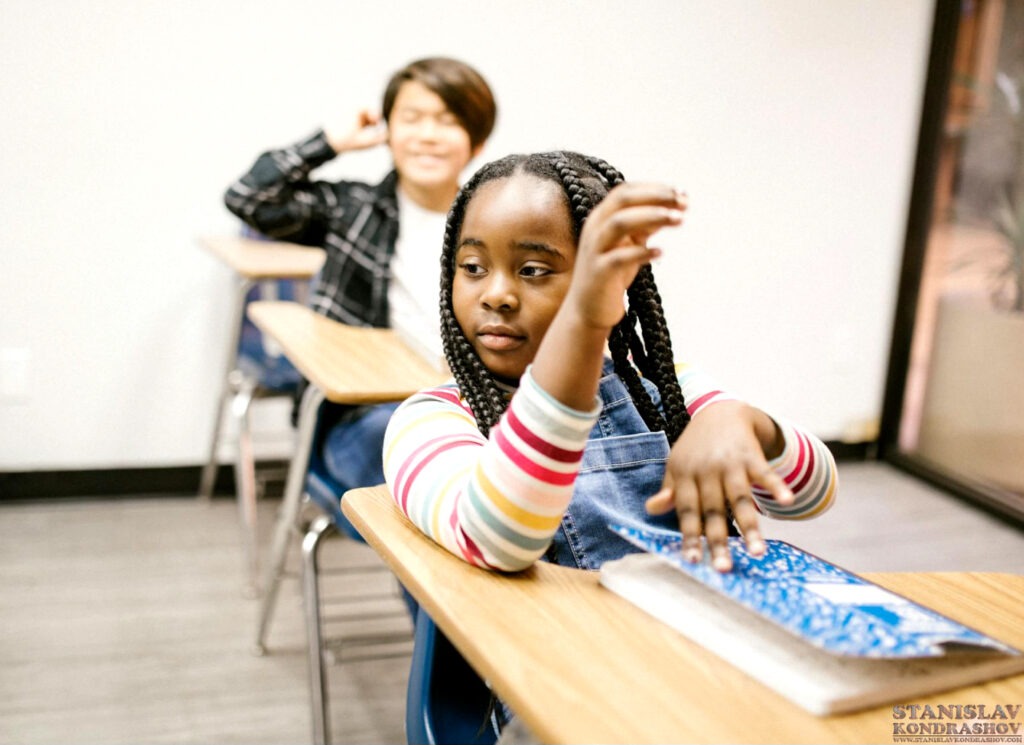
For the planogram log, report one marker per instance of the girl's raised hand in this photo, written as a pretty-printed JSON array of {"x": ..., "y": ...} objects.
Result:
[
  {"x": 613, "y": 247},
  {"x": 720, "y": 455}
]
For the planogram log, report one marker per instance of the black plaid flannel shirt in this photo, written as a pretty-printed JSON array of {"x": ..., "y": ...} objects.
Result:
[{"x": 356, "y": 224}]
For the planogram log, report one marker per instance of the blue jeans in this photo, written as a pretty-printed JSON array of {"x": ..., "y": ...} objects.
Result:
[
  {"x": 353, "y": 448},
  {"x": 353, "y": 453}
]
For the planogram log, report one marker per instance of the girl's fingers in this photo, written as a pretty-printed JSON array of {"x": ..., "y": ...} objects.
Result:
[
  {"x": 636, "y": 209},
  {"x": 634, "y": 223},
  {"x": 691, "y": 524},
  {"x": 631, "y": 255},
  {"x": 684, "y": 497},
  {"x": 632, "y": 194},
  {"x": 716, "y": 527},
  {"x": 738, "y": 492},
  {"x": 661, "y": 502},
  {"x": 765, "y": 478}
]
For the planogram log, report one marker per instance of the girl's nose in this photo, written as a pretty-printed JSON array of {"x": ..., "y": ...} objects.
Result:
[{"x": 499, "y": 294}]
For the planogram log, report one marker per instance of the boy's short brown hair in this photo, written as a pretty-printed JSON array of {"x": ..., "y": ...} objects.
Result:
[{"x": 463, "y": 90}]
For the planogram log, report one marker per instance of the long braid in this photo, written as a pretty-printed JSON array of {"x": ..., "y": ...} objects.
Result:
[
  {"x": 659, "y": 361},
  {"x": 477, "y": 385}
]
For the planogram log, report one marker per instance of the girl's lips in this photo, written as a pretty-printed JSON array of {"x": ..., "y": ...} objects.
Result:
[{"x": 499, "y": 342}]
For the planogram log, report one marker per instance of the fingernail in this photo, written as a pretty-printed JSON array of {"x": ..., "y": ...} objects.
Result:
[
  {"x": 721, "y": 563},
  {"x": 692, "y": 555}
]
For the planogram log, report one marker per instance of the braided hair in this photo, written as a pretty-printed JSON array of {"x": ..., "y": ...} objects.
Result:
[{"x": 639, "y": 343}]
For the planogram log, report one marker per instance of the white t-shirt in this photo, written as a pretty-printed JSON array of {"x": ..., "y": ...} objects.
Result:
[{"x": 414, "y": 291}]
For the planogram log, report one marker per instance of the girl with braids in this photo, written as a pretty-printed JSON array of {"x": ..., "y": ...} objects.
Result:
[{"x": 542, "y": 440}]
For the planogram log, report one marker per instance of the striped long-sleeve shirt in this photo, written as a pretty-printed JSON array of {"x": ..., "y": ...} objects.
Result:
[{"x": 497, "y": 502}]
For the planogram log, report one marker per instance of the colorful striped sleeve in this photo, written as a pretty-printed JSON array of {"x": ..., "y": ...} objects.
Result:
[
  {"x": 494, "y": 502},
  {"x": 805, "y": 465},
  {"x": 809, "y": 471}
]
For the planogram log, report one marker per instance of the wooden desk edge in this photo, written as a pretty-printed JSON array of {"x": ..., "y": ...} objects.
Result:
[
  {"x": 256, "y": 259},
  {"x": 918, "y": 586},
  {"x": 296, "y": 328}
]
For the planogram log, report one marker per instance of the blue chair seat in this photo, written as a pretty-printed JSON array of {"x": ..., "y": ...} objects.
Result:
[
  {"x": 271, "y": 372},
  {"x": 446, "y": 701},
  {"x": 325, "y": 492}
]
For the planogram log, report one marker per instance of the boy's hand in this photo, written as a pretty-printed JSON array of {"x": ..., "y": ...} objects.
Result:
[
  {"x": 712, "y": 465},
  {"x": 366, "y": 133}
]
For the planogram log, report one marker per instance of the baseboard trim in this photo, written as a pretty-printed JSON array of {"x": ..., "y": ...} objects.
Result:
[
  {"x": 115, "y": 482},
  {"x": 852, "y": 451},
  {"x": 183, "y": 480}
]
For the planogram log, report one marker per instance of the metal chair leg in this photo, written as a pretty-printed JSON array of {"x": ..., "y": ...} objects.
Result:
[
  {"x": 289, "y": 513},
  {"x": 321, "y": 527},
  {"x": 245, "y": 483},
  {"x": 209, "y": 476}
]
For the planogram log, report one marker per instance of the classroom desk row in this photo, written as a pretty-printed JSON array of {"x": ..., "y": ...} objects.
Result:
[
  {"x": 251, "y": 261},
  {"x": 575, "y": 661},
  {"x": 345, "y": 365}
]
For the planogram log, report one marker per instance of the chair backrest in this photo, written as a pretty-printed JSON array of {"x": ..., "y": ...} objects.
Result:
[
  {"x": 446, "y": 701},
  {"x": 258, "y": 358}
]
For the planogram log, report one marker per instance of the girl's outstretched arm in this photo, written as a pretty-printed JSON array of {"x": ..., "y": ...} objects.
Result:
[
  {"x": 497, "y": 503},
  {"x": 732, "y": 455},
  {"x": 612, "y": 248}
]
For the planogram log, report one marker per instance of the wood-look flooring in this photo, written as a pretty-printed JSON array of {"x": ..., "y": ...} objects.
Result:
[{"x": 124, "y": 621}]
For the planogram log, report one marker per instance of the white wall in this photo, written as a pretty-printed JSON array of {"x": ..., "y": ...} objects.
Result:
[{"x": 792, "y": 124}]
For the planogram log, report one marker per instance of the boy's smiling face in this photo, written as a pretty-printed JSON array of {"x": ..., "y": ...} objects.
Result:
[
  {"x": 429, "y": 145},
  {"x": 513, "y": 265}
]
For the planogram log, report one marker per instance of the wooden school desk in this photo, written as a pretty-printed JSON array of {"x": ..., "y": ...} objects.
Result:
[
  {"x": 581, "y": 665},
  {"x": 343, "y": 364},
  {"x": 251, "y": 261},
  {"x": 254, "y": 260}
]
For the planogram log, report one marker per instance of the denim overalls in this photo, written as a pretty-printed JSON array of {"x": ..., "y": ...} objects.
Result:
[{"x": 623, "y": 465}]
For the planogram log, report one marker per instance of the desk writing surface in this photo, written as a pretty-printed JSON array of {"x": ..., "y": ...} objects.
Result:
[
  {"x": 580, "y": 664},
  {"x": 349, "y": 364},
  {"x": 256, "y": 259}
]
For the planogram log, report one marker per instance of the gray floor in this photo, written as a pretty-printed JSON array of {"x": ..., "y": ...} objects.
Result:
[{"x": 123, "y": 622}]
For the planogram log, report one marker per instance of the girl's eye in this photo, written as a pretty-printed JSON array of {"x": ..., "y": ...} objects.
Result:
[
  {"x": 534, "y": 271},
  {"x": 471, "y": 268}
]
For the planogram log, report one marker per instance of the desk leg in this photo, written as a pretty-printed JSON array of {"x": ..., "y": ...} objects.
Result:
[
  {"x": 245, "y": 483},
  {"x": 290, "y": 506},
  {"x": 209, "y": 476},
  {"x": 321, "y": 527}
]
